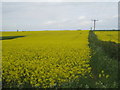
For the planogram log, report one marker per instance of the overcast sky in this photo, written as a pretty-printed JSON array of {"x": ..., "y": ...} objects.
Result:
[
  {"x": 59, "y": 0},
  {"x": 59, "y": 15}
]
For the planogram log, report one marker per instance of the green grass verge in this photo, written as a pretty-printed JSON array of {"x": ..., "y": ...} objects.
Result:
[{"x": 104, "y": 58}]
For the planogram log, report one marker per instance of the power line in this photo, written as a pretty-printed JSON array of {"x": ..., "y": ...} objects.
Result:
[{"x": 94, "y": 21}]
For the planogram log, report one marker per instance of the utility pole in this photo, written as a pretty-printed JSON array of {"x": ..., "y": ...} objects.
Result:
[{"x": 94, "y": 21}]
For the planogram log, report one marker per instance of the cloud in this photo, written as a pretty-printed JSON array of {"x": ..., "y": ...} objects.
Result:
[
  {"x": 86, "y": 23},
  {"x": 81, "y": 17},
  {"x": 100, "y": 21},
  {"x": 115, "y": 16},
  {"x": 50, "y": 22},
  {"x": 65, "y": 20}
]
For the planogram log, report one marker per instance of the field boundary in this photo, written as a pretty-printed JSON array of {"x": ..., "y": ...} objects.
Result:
[{"x": 104, "y": 61}]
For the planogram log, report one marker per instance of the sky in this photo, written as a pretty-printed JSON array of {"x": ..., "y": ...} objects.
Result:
[
  {"x": 119, "y": 15},
  {"x": 59, "y": 15},
  {"x": 60, "y": 0}
]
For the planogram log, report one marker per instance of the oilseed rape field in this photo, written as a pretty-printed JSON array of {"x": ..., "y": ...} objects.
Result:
[
  {"x": 112, "y": 36},
  {"x": 44, "y": 59},
  {"x": 60, "y": 59}
]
